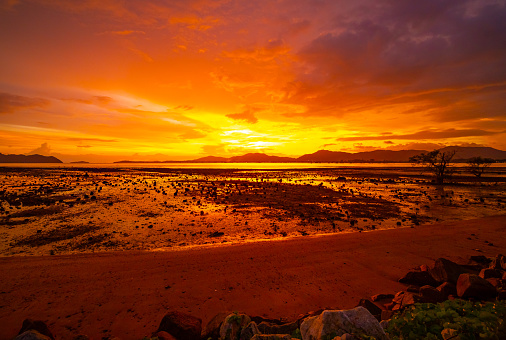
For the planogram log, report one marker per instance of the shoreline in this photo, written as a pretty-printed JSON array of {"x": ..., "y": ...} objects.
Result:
[{"x": 126, "y": 293}]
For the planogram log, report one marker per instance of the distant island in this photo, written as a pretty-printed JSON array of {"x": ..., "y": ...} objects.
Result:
[
  {"x": 325, "y": 156},
  {"x": 28, "y": 159},
  {"x": 80, "y": 162}
]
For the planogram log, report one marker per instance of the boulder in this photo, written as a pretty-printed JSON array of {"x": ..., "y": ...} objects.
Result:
[
  {"x": 36, "y": 325},
  {"x": 32, "y": 335},
  {"x": 371, "y": 307},
  {"x": 409, "y": 299},
  {"x": 249, "y": 331},
  {"x": 446, "y": 271},
  {"x": 489, "y": 273},
  {"x": 164, "y": 336},
  {"x": 499, "y": 262},
  {"x": 182, "y": 326},
  {"x": 378, "y": 297},
  {"x": 332, "y": 323},
  {"x": 473, "y": 286},
  {"x": 212, "y": 329},
  {"x": 270, "y": 328},
  {"x": 497, "y": 283},
  {"x": 430, "y": 294},
  {"x": 272, "y": 337},
  {"x": 418, "y": 278},
  {"x": 447, "y": 289},
  {"x": 232, "y": 325},
  {"x": 481, "y": 259}
]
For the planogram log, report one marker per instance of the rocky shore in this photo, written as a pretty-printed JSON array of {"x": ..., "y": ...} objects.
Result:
[{"x": 481, "y": 279}]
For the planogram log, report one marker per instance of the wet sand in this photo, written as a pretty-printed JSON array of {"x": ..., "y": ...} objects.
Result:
[
  {"x": 126, "y": 294},
  {"x": 65, "y": 211}
]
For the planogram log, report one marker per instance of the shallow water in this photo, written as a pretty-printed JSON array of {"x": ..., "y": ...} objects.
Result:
[{"x": 69, "y": 210}]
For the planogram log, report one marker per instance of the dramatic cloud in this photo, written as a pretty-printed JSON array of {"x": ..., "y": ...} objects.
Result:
[
  {"x": 10, "y": 102},
  {"x": 248, "y": 116},
  {"x": 428, "y": 134},
  {"x": 44, "y": 150},
  {"x": 178, "y": 78}
]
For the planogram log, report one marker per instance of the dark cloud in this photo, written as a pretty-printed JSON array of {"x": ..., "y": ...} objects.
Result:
[
  {"x": 248, "y": 115},
  {"x": 10, "y": 102},
  {"x": 432, "y": 53},
  {"x": 428, "y": 134}
]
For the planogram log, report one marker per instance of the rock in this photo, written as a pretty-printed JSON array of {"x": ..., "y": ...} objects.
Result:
[
  {"x": 413, "y": 289},
  {"x": 386, "y": 314},
  {"x": 497, "y": 283},
  {"x": 498, "y": 263},
  {"x": 481, "y": 259},
  {"x": 489, "y": 272},
  {"x": 164, "y": 336},
  {"x": 378, "y": 297},
  {"x": 182, "y": 326},
  {"x": 272, "y": 337},
  {"x": 446, "y": 271},
  {"x": 270, "y": 328},
  {"x": 447, "y": 289},
  {"x": 212, "y": 329},
  {"x": 32, "y": 335},
  {"x": 384, "y": 323},
  {"x": 473, "y": 286},
  {"x": 333, "y": 323},
  {"x": 430, "y": 294},
  {"x": 371, "y": 307},
  {"x": 81, "y": 337},
  {"x": 348, "y": 336},
  {"x": 418, "y": 279},
  {"x": 36, "y": 325},
  {"x": 231, "y": 327},
  {"x": 398, "y": 297},
  {"x": 249, "y": 331},
  {"x": 501, "y": 294},
  {"x": 409, "y": 299}
]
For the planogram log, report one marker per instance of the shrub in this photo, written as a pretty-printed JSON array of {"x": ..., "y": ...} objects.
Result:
[{"x": 469, "y": 320}]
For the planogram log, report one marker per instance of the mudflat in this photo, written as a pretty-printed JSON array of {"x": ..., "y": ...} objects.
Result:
[{"x": 126, "y": 293}]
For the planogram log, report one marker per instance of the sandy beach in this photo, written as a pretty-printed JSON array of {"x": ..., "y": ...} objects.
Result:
[{"x": 125, "y": 294}]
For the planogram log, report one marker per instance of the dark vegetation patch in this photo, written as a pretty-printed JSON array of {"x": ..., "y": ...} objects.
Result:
[
  {"x": 310, "y": 203},
  {"x": 42, "y": 238}
]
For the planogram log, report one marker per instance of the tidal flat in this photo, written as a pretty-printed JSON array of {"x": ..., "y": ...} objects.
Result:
[{"x": 46, "y": 211}]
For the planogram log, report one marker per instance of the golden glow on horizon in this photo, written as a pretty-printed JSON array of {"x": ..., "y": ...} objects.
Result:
[{"x": 108, "y": 80}]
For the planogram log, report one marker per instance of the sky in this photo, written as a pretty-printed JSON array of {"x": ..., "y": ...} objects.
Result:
[{"x": 105, "y": 80}]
